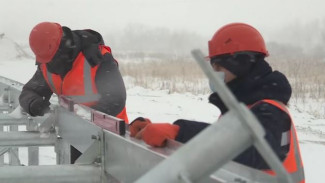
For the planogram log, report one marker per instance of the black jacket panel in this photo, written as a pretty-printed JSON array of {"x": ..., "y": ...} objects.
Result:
[{"x": 110, "y": 86}]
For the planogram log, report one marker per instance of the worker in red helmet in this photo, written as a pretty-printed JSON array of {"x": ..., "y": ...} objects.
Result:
[
  {"x": 237, "y": 52},
  {"x": 75, "y": 64}
]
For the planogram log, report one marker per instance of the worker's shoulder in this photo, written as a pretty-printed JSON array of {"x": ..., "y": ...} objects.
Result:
[{"x": 267, "y": 108}]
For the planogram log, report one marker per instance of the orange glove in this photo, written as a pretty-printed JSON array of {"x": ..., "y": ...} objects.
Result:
[
  {"x": 137, "y": 125},
  {"x": 156, "y": 134}
]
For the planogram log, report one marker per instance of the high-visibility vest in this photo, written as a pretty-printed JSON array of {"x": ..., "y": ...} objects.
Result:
[
  {"x": 293, "y": 162},
  {"x": 79, "y": 83}
]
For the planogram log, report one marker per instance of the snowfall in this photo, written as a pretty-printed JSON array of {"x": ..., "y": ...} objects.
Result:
[{"x": 161, "y": 106}]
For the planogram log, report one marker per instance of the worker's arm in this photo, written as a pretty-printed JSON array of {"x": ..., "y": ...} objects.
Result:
[
  {"x": 188, "y": 129},
  {"x": 110, "y": 86},
  {"x": 274, "y": 121},
  {"x": 156, "y": 134},
  {"x": 35, "y": 96}
]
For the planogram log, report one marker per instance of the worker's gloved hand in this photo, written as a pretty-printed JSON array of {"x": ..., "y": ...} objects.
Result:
[
  {"x": 38, "y": 107},
  {"x": 137, "y": 125},
  {"x": 156, "y": 134}
]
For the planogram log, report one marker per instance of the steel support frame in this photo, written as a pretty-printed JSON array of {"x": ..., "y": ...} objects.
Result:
[
  {"x": 51, "y": 174},
  {"x": 27, "y": 138},
  {"x": 126, "y": 159}
]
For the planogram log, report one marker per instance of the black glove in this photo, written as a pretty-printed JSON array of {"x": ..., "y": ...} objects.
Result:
[
  {"x": 38, "y": 107},
  {"x": 216, "y": 100}
]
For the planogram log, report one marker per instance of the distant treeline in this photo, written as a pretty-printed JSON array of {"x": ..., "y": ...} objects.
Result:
[{"x": 294, "y": 41}]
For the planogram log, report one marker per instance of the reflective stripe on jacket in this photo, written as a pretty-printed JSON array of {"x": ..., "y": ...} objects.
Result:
[
  {"x": 293, "y": 162},
  {"x": 79, "y": 83}
]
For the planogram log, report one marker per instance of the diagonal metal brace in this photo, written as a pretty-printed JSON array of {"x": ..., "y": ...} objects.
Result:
[
  {"x": 3, "y": 150},
  {"x": 91, "y": 155}
]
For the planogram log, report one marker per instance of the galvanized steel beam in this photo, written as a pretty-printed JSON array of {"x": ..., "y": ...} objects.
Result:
[
  {"x": 3, "y": 149},
  {"x": 50, "y": 174},
  {"x": 5, "y": 119},
  {"x": 26, "y": 138}
]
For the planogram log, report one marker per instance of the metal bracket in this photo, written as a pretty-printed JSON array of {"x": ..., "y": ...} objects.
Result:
[
  {"x": 3, "y": 150},
  {"x": 91, "y": 155},
  {"x": 48, "y": 124}
]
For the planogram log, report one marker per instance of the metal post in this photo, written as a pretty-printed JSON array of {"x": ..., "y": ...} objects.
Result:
[
  {"x": 62, "y": 150},
  {"x": 3, "y": 107},
  {"x": 102, "y": 153},
  {"x": 1, "y": 156},
  {"x": 33, "y": 152},
  {"x": 13, "y": 152}
]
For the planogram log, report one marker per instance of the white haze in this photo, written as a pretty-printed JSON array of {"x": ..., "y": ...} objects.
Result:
[
  {"x": 155, "y": 24},
  {"x": 178, "y": 25}
]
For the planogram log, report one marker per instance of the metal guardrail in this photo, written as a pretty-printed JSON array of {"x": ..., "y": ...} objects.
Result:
[
  {"x": 110, "y": 155},
  {"x": 10, "y": 91}
]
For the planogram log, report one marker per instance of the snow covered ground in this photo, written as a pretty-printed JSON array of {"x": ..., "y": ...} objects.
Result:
[{"x": 160, "y": 106}]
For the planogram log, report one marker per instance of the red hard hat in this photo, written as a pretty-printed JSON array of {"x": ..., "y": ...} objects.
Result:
[
  {"x": 236, "y": 37},
  {"x": 44, "y": 40}
]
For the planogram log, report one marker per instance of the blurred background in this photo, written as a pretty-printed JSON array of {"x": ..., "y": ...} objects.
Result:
[{"x": 152, "y": 39}]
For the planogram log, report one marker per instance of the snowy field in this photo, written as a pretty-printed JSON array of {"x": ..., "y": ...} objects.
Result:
[{"x": 160, "y": 106}]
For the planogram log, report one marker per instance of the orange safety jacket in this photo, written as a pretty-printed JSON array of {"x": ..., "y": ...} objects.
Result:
[
  {"x": 293, "y": 162},
  {"x": 79, "y": 83}
]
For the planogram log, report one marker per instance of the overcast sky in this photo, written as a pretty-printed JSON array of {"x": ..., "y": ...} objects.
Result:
[{"x": 17, "y": 17}]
